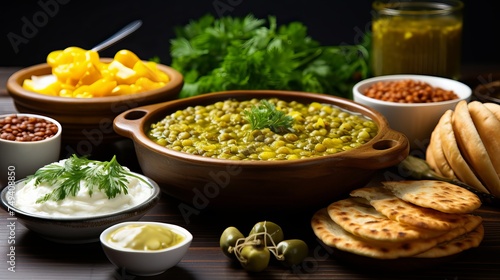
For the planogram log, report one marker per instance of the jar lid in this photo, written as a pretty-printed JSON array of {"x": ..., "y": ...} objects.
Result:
[{"x": 418, "y": 8}]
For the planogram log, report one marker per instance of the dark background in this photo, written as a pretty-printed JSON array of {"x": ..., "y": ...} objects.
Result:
[{"x": 64, "y": 23}]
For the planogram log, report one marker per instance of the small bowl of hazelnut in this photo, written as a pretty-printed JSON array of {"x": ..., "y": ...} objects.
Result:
[
  {"x": 412, "y": 104},
  {"x": 27, "y": 142}
]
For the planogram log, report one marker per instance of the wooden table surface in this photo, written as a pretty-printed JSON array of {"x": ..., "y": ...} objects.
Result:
[{"x": 36, "y": 258}]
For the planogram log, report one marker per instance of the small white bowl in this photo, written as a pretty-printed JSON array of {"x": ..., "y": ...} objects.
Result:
[
  {"x": 415, "y": 120},
  {"x": 146, "y": 263},
  {"x": 20, "y": 159},
  {"x": 77, "y": 230}
]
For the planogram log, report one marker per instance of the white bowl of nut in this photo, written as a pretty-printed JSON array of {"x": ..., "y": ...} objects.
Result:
[
  {"x": 27, "y": 142},
  {"x": 412, "y": 104}
]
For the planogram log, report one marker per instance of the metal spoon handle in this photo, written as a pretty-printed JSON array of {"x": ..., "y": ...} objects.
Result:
[{"x": 122, "y": 33}]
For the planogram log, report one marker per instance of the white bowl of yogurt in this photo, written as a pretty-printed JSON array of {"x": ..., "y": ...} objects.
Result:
[{"x": 78, "y": 218}]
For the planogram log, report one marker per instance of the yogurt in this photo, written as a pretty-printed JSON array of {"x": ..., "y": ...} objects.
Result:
[{"x": 82, "y": 204}]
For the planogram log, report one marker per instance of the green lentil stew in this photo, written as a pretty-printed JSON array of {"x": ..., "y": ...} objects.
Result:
[{"x": 221, "y": 130}]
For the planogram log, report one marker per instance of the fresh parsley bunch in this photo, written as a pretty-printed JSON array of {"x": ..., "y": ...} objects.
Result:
[{"x": 244, "y": 53}]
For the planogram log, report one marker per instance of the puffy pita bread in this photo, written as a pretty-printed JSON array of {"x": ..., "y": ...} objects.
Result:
[
  {"x": 331, "y": 234},
  {"x": 453, "y": 155},
  {"x": 364, "y": 221},
  {"x": 494, "y": 108},
  {"x": 464, "y": 242},
  {"x": 429, "y": 158},
  {"x": 385, "y": 202},
  {"x": 438, "y": 195},
  {"x": 472, "y": 147},
  {"x": 488, "y": 127},
  {"x": 435, "y": 151}
]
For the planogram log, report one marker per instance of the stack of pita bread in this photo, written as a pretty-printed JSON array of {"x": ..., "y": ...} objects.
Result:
[
  {"x": 465, "y": 145},
  {"x": 402, "y": 219}
]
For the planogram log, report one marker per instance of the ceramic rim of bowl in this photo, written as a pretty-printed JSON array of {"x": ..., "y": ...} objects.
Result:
[
  {"x": 49, "y": 119},
  {"x": 423, "y": 78},
  {"x": 14, "y": 84},
  {"x": 156, "y": 192},
  {"x": 343, "y": 103}
]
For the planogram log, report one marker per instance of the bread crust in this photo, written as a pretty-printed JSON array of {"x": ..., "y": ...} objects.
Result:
[
  {"x": 435, "y": 151},
  {"x": 333, "y": 235},
  {"x": 403, "y": 212},
  {"x": 453, "y": 155},
  {"x": 472, "y": 147},
  {"x": 488, "y": 128},
  {"x": 366, "y": 222},
  {"x": 438, "y": 195},
  {"x": 463, "y": 242},
  {"x": 494, "y": 108}
]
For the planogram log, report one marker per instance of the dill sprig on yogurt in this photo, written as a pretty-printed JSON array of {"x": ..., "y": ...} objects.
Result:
[{"x": 108, "y": 177}]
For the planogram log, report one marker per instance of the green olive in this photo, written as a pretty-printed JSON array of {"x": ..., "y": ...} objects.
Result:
[
  {"x": 228, "y": 240},
  {"x": 292, "y": 252},
  {"x": 255, "y": 258},
  {"x": 271, "y": 228}
]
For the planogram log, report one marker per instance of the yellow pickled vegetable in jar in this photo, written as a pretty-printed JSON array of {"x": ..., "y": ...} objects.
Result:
[
  {"x": 417, "y": 37},
  {"x": 144, "y": 237}
]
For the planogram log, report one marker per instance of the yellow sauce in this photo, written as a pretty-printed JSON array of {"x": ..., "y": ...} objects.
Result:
[{"x": 144, "y": 237}]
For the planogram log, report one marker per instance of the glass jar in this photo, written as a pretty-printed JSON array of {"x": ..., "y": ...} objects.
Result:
[{"x": 417, "y": 37}]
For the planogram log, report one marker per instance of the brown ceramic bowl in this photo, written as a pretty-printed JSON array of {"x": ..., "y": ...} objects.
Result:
[
  {"x": 86, "y": 120},
  {"x": 207, "y": 182}
]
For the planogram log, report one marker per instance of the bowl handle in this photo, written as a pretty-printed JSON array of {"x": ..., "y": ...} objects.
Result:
[
  {"x": 389, "y": 149},
  {"x": 128, "y": 123}
]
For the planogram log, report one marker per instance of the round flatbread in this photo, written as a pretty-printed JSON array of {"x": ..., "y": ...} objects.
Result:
[
  {"x": 472, "y": 147},
  {"x": 438, "y": 195},
  {"x": 364, "y": 221},
  {"x": 394, "y": 208},
  {"x": 454, "y": 157},
  {"x": 435, "y": 151},
  {"x": 463, "y": 242},
  {"x": 488, "y": 127},
  {"x": 333, "y": 235}
]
